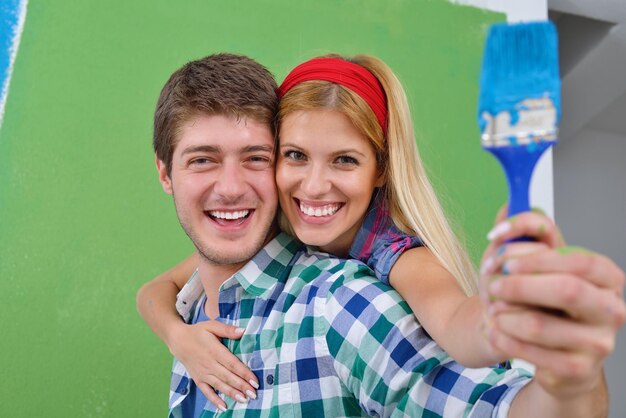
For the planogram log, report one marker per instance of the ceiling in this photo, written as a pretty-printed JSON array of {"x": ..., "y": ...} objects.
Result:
[{"x": 592, "y": 36}]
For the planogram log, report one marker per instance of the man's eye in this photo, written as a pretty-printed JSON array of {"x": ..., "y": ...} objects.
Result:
[
  {"x": 201, "y": 163},
  {"x": 294, "y": 155},
  {"x": 257, "y": 162},
  {"x": 347, "y": 160}
]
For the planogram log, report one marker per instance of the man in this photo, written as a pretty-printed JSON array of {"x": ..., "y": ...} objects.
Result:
[{"x": 323, "y": 337}]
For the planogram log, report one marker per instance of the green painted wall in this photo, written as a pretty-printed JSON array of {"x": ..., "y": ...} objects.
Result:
[{"x": 83, "y": 221}]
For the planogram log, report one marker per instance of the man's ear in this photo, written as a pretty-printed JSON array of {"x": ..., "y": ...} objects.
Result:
[{"x": 164, "y": 178}]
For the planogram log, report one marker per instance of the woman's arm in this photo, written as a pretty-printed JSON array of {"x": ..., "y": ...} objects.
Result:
[
  {"x": 453, "y": 320},
  {"x": 198, "y": 346},
  {"x": 556, "y": 307},
  {"x": 156, "y": 300}
]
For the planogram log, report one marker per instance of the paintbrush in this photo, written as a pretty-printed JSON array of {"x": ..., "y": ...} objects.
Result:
[{"x": 519, "y": 104}]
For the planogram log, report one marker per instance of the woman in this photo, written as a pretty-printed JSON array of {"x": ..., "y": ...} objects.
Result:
[{"x": 351, "y": 183}]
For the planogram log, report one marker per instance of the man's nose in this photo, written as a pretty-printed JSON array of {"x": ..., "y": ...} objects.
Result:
[{"x": 231, "y": 182}]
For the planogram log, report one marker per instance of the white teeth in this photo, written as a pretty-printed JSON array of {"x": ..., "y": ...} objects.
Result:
[
  {"x": 229, "y": 215},
  {"x": 325, "y": 210}
]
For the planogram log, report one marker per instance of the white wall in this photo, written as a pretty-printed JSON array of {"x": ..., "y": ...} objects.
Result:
[
  {"x": 590, "y": 184},
  {"x": 590, "y": 180}
]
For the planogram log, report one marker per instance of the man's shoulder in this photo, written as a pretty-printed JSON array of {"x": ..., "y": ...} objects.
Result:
[
  {"x": 306, "y": 262},
  {"x": 349, "y": 297},
  {"x": 319, "y": 265},
  {"x": 342, "y": 277}
]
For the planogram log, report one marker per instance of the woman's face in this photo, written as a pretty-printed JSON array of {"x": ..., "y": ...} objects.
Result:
[{"x": 326, "y": 174}]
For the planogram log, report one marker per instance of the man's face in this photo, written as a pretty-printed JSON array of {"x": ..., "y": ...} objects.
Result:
[{"x": 222, "y": 181}]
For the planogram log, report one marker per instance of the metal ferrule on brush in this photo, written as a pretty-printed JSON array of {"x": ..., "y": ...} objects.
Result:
[{"x": 532, "y": 121}]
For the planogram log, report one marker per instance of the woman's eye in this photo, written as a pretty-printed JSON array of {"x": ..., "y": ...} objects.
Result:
[
  {"x": 294, "y": 155},
  {"x": 347, "y": 160}
]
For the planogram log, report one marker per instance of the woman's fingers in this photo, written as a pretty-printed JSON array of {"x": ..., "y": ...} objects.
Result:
[
  {"x": 554, "y": 332},
  {"x": 561, "y": 365},
  {"x": 574, "y": 280},
  {"x": 566, "y": 293},
  {"x": 229, "y": 360},
  {"x": 491, "y": 267},
  {"x": 496, "y": 259},
  {"x": 237, "y": 380},
  {"x": 227, "y": 383},
  {"x": 556, "y": 307},
  {"x": 530, "y": 224},
  {"x": 212, "y": 366},
  {"x": 583, "y": 284},
  {"x": 595, "y": 268},
  {"x": 212, "y": 397},
  {"x": 223, "y": 330},
  {"x": 502, "y": 214}
]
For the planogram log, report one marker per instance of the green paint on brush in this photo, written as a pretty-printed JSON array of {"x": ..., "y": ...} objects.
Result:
[
  {"x": 542, "y": 230},
  {"x": 492, "y": 279},
  {"x": 572, "y": 250},
  {"x": 538, "y": 210}
]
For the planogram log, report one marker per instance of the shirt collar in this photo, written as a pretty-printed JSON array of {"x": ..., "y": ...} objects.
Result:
[{"x": 267, "y": 268}]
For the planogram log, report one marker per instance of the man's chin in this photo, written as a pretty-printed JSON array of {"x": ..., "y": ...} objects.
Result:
[
  {"x": 222, "y": 252},
  {"x": 221, "y": 247}
]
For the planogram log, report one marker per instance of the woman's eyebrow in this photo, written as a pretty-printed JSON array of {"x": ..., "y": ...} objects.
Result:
[
  {"x": 288, "y": 144},
  {"x": 338, "y": 152},
  {"x": 348, "y": 151}
]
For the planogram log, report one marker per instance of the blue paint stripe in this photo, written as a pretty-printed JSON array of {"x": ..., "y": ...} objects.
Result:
[{"x": 11, "y": 18}]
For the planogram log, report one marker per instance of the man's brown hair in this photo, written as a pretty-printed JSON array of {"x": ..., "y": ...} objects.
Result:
[{"x": 223, "y": 84}]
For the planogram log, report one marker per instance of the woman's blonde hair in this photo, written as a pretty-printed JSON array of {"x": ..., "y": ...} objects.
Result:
[{"x": 412, "y": 203}]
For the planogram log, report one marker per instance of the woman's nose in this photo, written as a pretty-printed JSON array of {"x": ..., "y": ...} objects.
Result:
[{"x": 316, "y": 181}]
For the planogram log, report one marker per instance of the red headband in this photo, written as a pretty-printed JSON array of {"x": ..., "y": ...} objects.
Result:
[{"x": 344, "y": 73}]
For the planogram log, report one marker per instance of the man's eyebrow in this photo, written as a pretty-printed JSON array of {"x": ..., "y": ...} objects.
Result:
[
  {"x": 257, "y": 148},
  {"x": 201, "y": 148}
]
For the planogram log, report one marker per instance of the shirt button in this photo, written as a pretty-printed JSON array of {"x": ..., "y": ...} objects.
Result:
[
  {"x": 184, "y": 391},
  {"x": 270, "y": 379}
]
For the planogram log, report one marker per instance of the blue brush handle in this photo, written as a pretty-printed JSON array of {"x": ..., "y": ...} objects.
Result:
[{"x": 518, "y": 163}]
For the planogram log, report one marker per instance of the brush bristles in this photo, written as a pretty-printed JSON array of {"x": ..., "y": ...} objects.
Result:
[
  {"x": 522, "y": 51},
  {"x": 518, "y": 59},
  {"x": 520, "y": 62}
]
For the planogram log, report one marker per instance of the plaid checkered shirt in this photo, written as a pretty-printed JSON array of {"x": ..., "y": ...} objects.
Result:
[{"x": 326, "y": 339}]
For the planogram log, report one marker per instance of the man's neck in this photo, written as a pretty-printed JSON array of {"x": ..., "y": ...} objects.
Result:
[{"x": 212, "y": 276}]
